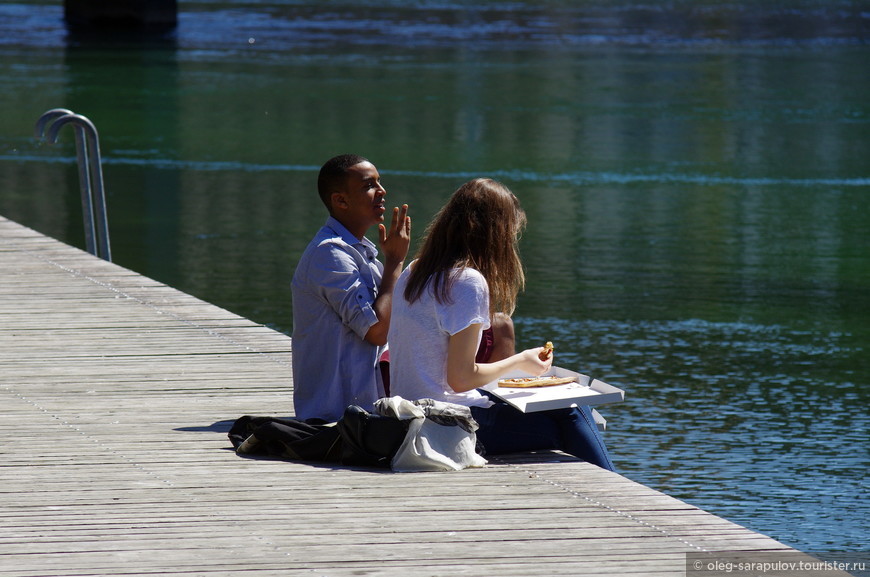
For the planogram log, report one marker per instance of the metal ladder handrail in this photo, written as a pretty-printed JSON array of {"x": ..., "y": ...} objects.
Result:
[{"x": 90, "y": 171}]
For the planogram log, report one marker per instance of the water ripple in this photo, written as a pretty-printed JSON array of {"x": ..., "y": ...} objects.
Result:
[
  {"x": 211, "y": 29},
  {"x": 576, "y": 178},
  {"x": 734, "y": 417}
]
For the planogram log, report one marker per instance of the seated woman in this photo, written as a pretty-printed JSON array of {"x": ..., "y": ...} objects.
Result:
[{"x": 467, "y": 271}]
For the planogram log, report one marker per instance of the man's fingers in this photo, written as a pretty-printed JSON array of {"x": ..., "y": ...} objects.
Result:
[{"x": 405, "y": 219}]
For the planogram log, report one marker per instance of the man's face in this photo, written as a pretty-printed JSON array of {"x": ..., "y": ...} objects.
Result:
[{"x": 363, "y": 194}]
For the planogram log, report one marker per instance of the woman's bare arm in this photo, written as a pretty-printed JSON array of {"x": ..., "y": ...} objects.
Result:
[{"x": 463, "y": 374}]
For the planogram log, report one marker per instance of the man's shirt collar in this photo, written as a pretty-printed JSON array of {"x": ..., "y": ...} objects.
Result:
[{"x": 340, "y": 230}]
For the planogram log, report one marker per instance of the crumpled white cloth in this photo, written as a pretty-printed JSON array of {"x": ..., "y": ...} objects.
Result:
[{"x": 441, "y": 436}]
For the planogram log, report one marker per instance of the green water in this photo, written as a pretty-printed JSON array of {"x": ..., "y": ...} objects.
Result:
[{"x": 696, "y": 177}]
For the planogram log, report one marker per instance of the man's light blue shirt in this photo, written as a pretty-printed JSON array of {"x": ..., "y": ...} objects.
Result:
[{"x": 334, "y": 287}]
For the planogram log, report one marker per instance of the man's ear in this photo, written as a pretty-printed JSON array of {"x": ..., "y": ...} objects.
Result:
[{"x": 338, "y": 200}]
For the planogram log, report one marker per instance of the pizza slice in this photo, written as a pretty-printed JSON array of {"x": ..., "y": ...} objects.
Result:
[
  {"x": 548, "y": 350},
  {"x": 531, "y": 382}
]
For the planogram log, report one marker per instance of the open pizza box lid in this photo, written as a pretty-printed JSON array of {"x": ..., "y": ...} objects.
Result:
[{"x": 584, "y": 391}]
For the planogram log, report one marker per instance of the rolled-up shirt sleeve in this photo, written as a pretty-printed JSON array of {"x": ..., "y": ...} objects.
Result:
[{"x": 347, "y": 285}]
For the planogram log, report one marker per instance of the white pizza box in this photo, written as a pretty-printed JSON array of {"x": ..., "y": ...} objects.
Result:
[
  {"x": 585, "y": 391},
  {"x": 600, "y": 421}
]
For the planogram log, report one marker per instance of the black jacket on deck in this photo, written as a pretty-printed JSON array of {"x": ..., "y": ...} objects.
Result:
[{"x": 359, "y": 438}]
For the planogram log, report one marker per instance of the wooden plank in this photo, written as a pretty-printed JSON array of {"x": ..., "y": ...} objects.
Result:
[{"x": 117, "y": 395}]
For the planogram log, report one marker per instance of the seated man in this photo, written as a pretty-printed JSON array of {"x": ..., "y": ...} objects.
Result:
[{"x": 342, "y": 294}]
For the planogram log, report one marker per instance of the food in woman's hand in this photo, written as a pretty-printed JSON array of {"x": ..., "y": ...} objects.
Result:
[{"x": 548, "y": 350}]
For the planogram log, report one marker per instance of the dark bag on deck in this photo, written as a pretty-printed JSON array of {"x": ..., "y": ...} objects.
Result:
[
  {"x": 368, "y": 439},
  {"x": 359, "y": 438}
]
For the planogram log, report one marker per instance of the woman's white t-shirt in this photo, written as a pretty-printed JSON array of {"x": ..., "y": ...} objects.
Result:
[{"x": 420, "y": 331}]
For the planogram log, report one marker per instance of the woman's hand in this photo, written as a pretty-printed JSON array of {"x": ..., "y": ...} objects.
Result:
[{"x": 530, "y": 361}]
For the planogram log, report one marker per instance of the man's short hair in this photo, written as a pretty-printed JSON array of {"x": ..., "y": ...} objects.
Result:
[{"x": 332, "y": 175}]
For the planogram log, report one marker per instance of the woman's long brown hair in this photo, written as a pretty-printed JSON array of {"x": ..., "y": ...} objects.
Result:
[{"x": 479, "y": 227}]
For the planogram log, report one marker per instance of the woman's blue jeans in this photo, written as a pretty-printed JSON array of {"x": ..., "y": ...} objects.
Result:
[{"x": 505, "y": 429}]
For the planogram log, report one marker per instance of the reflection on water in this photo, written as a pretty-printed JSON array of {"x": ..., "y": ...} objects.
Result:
[{"x": 695, "y": 174}]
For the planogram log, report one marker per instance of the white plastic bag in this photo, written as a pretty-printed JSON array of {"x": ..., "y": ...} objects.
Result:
[{"x": 430, "y": 445}]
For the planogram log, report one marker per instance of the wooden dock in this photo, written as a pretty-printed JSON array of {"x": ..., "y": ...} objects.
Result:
[{"x": 117, "y": 393}]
